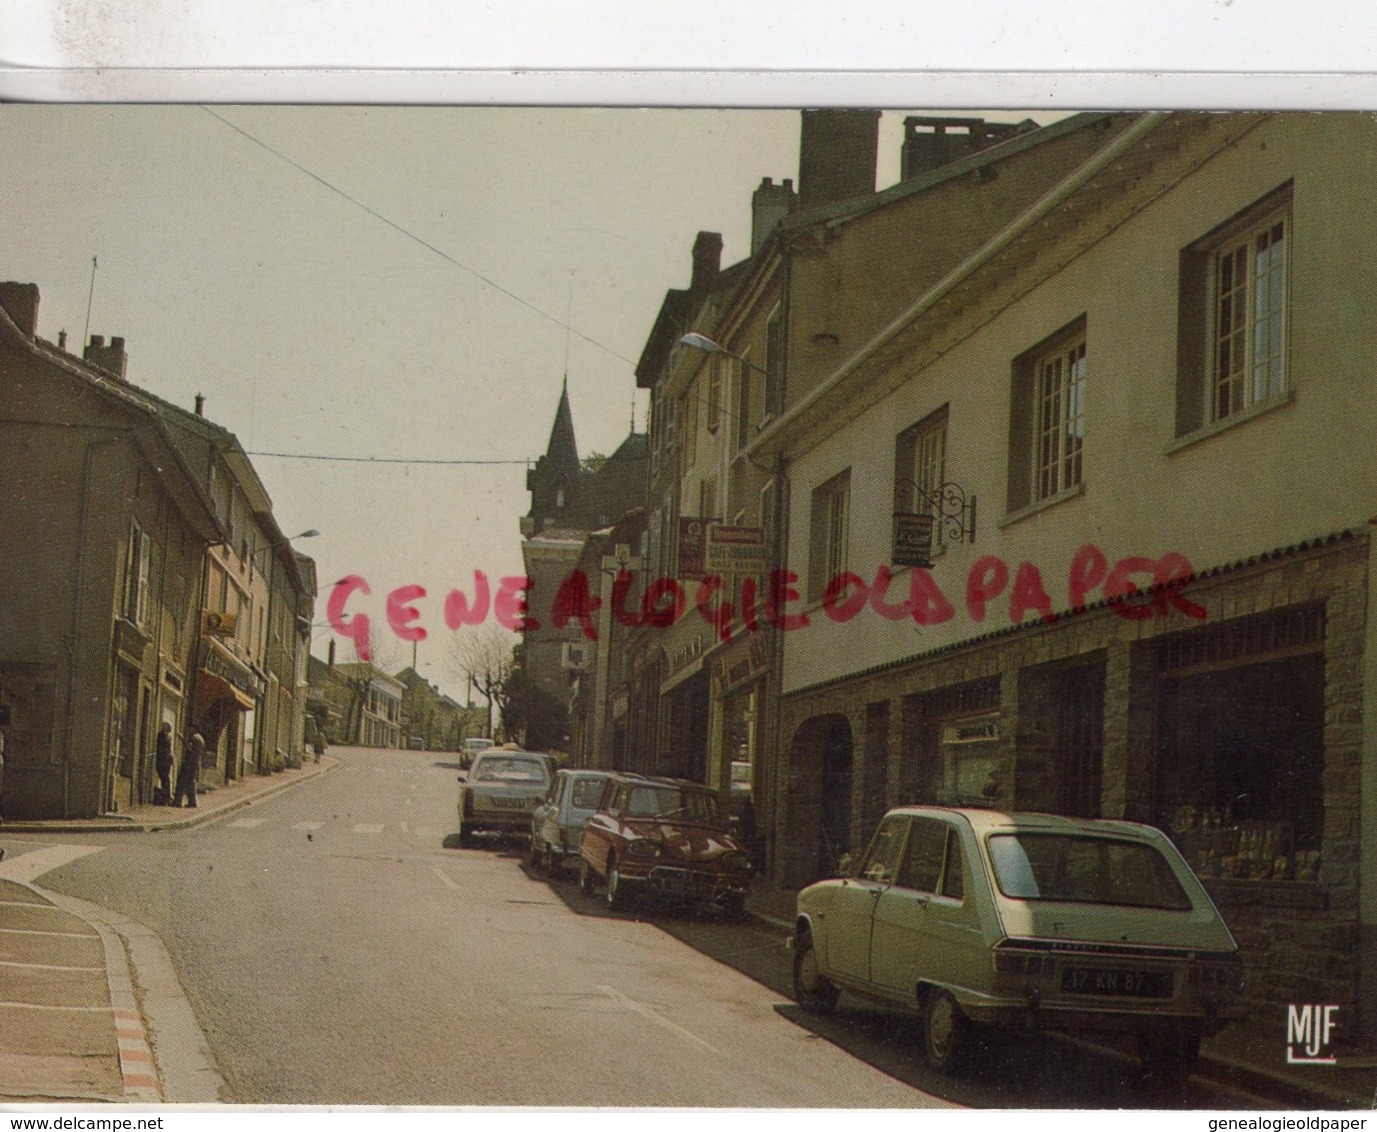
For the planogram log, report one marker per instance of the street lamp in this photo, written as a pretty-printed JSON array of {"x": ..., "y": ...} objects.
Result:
[{"x": 696, "y": 341}]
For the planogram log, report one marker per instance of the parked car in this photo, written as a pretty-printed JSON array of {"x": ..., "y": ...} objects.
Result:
[
  {"x": 500, "y": 790},
  {"x": 1020, "y": 921},
  {"x": 663, "y": 837},
  {"x": 471, "y": 748},
  {"x": 557, "y": 824}
]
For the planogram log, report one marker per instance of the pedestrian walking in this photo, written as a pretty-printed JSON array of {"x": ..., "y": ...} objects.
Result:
[
  {"x": 163, "y": 764},
  {"x": 189, "y": 771}
]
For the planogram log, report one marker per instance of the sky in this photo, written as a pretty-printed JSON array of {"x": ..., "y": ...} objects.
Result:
[{"x": 390, "y": 284}]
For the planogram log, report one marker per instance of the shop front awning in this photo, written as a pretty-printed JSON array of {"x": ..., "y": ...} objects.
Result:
[{"x": 210, "y": 688}]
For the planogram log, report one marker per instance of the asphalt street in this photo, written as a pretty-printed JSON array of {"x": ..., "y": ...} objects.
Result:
[{"x": 333, "y": 951}]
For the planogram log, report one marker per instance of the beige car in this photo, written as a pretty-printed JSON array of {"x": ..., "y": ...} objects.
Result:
[
  {"x": 978, "y": 918},
  {"x": 500, "y": 791}
]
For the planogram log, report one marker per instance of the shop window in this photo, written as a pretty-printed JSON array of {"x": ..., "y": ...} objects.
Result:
[
  {"x": 970, "y": 760},
  {"x": 1232, "y": 326},
  {"x": 1082, "y": 741},
  {"x": 1241, "y": 762}
]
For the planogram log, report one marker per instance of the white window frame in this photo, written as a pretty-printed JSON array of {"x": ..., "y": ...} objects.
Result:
[
  {"x": 1247, "y": 328},
  {"x": 136, "y": 576},
  {"x": 1058, "y": 449},
  {"x": 921, "y": 469},
  {"x": 830, "y": 532}
]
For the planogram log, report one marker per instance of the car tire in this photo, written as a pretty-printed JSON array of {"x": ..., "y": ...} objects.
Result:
[
  {"x": 1169, "y": 1055},
  {"x": 618, "y": 894},
  {"x": 585, "y": 879},
  {"x": 465, "y": 837},
  {"x": 553, "y": 861},
  {"x": 533, "y": 854},
  {"x": 946, "y": 1034},
  {"x": 812, "y": 990}
]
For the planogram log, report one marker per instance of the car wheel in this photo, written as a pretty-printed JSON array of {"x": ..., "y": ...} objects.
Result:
[
  {"x": 533, "y": 854},
  {"x": 1169, "y": 1056},
  {"x": 585, "y": 879},
  {"x": 466, "y": 837},
  {"x": 811, "y": 989},
  {"x": 946, "y": 1033},
  {"x": 553, "y": 861},
  {"x": 618, "y": 894}
]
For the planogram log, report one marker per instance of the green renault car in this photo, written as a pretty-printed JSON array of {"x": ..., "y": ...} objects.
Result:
[{"x": 1021, "y": 921}]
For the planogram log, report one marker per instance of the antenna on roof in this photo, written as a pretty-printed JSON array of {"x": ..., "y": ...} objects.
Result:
[{"x": 90, "y": 298}]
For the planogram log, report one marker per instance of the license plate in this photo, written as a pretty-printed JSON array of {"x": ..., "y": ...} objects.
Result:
[
  {"x": 509, "y": 803},
  {"x": 1116, "y": 980}
]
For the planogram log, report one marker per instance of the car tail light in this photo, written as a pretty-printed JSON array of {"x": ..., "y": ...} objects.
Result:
[
  {"x": 1022, "y": 963},
  {"x": 1218, "y": 972}
]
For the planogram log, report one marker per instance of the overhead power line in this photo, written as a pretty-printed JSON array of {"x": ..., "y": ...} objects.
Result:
[
  {"x": 412, "y": 236},
  {"x": 381, "y": 459}
]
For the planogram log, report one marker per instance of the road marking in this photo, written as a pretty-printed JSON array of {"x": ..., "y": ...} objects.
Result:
[
  {"x": 646, "y": 1012},
  {"x": 32, "y": 865},
  {"x": 443, "y": 877},
  {"x": 369, "y": 827},
  {"x": 33, "y": 931},
  {"x": 246, "y": 823},
  {"x": 29, "y": 904},
  {"x": 40, "y": 1006},
  {"x": 308, "y": 826},
  {"x": 45, "y": 966}
]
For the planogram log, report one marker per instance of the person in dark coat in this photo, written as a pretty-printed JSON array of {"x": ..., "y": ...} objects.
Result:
[
  {"x": 189, "y": 771},
  {"x": 163, "y": 764}
]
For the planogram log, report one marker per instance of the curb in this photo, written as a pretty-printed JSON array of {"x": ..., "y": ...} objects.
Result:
[{"x": 109, "y": 825}]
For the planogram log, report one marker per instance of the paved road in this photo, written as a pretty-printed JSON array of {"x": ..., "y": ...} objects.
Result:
[{"x": 335, "y": 953}]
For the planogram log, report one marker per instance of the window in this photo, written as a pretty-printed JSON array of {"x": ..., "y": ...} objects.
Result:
[
  {"x": 743, "y": 401},
  {"x": 922, "y": 865},
  {"x": 920, "y": 468},
  {"x": 714, "y": 397},
  {"x": 831, "y": 507},
  {"x": 707, "y": 498},
  {"x": 136, "y": 575},
  {"x": 882, "y": 858},
  {"x": 1232, "y": 327},
  {"x": 774, "y": 363},
  {"x": 1047, "y": 418}
]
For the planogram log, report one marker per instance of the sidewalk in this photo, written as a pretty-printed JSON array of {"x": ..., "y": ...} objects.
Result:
[
  {"x": 212, "y": 802},
  {"x": 1250, "y": 1055},
  {"x": 85, "y": 992}
]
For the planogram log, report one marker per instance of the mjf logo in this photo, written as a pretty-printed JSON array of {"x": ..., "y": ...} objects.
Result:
[{"x": 1308, "y": 1031}]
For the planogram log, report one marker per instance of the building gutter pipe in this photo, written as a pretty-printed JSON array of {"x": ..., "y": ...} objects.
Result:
[{"x": 1055, "y": 196}]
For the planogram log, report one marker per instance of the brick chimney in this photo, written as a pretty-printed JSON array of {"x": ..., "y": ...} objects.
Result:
[
  {"x": 837, "y": 155},
  {"x": 111, "y": 358},
  {"x": 930, "y": 143},
  {"x": 707, "y": 261},
  {"x": 770, "y": 204},
  {"x": 20, "y": 301}
]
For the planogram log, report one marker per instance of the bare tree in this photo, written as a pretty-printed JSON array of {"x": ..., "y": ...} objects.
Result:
[{"x": 484, "y": 656}]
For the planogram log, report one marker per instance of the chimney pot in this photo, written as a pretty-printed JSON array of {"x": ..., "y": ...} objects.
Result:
[
  {"x": 61, "y": 339},
  {"x": 97, "y": 339},
  {"x": 200, "y": 404},
  {"x": 707, "y": 261},
  {"x": 111, "y": 358},
  {"x": 20, "y": 301}
]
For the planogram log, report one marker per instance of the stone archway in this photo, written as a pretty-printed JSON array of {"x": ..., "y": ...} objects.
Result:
[{"x": 818, "y": 821}]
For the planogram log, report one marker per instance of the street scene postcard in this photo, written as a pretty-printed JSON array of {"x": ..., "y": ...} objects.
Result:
[{"x": 687, "y": 609}]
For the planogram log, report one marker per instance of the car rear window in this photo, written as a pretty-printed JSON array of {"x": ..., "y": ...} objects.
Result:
[
  {"x": 1083, "y": 869},
  {"x": 509, "y": 770},
  {"x": 671, "y": 801},
  {"x": 587, "y": 792}
]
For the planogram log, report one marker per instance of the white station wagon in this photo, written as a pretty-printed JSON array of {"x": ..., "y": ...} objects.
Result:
[{"x": 1022, "y": 921}]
